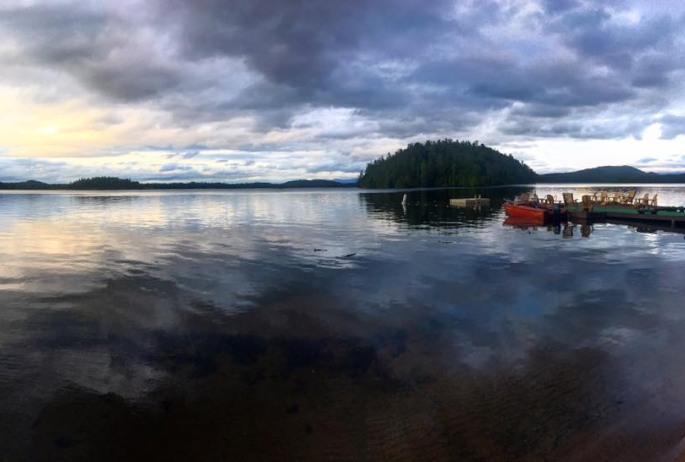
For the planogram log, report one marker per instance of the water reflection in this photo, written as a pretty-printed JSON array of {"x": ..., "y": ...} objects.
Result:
[
  {"x": 429, "y": 210},
  {"x": 565, "y": 230},
  {"x": 314, "y": 325}
]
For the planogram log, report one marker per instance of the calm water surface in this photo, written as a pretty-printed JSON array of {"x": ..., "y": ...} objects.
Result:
[{"x": 334, "y": 325}]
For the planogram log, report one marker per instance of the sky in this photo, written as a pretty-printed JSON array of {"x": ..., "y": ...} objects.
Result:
[{"x": 273, "y": 90}]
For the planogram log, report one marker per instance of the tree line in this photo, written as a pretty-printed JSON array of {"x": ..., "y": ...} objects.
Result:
[{"x": 113, "y": 183}]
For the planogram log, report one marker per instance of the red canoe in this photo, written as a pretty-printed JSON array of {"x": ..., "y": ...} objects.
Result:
[{"x": 534, "y": 213}]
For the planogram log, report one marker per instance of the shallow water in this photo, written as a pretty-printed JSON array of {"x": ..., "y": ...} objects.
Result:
[{"x": 334, "y": 325}]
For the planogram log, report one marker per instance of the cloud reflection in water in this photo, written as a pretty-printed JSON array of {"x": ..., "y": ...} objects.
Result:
[{"x": 235, "y": 325}]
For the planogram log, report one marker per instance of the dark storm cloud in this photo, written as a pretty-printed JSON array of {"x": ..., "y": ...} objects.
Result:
[
  {"x": 575, "y": 126},
  {"x": 409, "y": 66},
  {"x": 644, "y": 54},
  {"x": 556, "y": 6},
  {"x": 672, "y": 126},
  {"x": 99, "y": 50},
  {"x": 593, "y": 34},
  {"x": 300, "y": 43},
  {"x": 555, "y": 85},
  {"x": 541, "y": 111}
]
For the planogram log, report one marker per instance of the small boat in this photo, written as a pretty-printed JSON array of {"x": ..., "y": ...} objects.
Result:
[
  {"x": 526, "y": 211},
  {"x": 524, "y": 222},
  {"x": 535, "y": 211}
]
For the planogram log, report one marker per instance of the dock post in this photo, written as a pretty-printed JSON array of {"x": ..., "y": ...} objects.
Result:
[{"x": 404, "y": 200}]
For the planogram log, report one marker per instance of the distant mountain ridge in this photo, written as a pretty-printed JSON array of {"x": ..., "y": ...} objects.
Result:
[{"x": 611, "y": 174}]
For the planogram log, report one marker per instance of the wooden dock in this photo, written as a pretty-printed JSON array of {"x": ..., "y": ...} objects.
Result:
[{"x": 669, "y": 216}]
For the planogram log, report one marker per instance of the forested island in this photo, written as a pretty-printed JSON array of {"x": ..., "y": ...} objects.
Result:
[{"x": 445, "y": 163}]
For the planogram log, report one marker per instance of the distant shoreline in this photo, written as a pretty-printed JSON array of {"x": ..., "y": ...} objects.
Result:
[
  {"x": 118, "y": 184},
  {"x": 280, "y": 187},
  {"x": 598, "y": 176}
]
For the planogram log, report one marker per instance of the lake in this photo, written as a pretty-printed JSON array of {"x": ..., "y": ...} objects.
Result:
[{"x": 334, "y": 325}]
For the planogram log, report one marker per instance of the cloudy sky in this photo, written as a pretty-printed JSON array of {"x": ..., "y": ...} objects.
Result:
[{"x": 244, "y": 90}]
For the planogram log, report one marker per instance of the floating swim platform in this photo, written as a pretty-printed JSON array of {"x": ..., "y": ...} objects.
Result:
[{"x": 470, "y": 202}]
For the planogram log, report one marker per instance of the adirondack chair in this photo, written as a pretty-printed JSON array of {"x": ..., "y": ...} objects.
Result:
[
  {"x": 630, "y": 197},
  {"x": 600, "y": 198},
  {"x": 587, "y": 203},
  {"x": 549, "y": 200},
  {"x": 653, "y": 202},
  {"x": 523, "y": 198},
  {"x": 568, "y": 200},
  {"x": 644, "y": 201}
]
